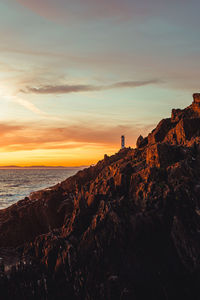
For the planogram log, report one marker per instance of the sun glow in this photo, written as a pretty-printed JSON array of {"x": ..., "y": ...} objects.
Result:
[{"x": 67, "y": 157}]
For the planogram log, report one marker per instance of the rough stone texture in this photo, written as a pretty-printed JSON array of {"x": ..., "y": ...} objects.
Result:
[
  {"x": 176, "y": 115},
  {"x": 159, "y": 133},
  {"x": 162, "y": 155},
  {"x": 126, "y": 228},
  {"x": 196, "y": 104},
  {"x": 196, "y": 97},
  {"x": 141, "y": 142}
]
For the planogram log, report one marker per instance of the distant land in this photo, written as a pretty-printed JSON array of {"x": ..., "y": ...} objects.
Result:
[{"x": 41, "y": 167}]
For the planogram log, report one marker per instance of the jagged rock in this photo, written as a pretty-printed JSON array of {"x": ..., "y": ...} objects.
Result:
[
  {"x": 163, "y": 155},
  {"x": 160, "y": 132},
  {"x": 176, "y": 115},
  {"x": 141, "y": 142},
  {"x": 196, "y": 97},
  {"x": 126, "y": 228}
]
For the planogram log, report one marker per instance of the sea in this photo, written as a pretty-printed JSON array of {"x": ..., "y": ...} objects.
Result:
[{"x": 15, "y": 184}]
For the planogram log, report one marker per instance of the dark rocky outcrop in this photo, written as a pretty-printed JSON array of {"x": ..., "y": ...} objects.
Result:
[{"x": 126, "y": 228}]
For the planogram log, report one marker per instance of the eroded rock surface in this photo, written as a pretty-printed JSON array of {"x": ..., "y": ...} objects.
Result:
[{"x": 126, "y": 228}]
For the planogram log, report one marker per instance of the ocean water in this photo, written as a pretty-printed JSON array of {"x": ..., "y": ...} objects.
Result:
[{"x": 15, "y": 184}]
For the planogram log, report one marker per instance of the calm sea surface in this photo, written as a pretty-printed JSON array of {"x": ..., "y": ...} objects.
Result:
[{"x": 15, "y": 184}]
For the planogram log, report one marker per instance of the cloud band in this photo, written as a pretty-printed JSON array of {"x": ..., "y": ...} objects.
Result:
[{"x": 66, "y": 89}]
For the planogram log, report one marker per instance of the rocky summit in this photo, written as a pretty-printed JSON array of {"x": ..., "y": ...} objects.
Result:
[{"x": 126, "y": 228}]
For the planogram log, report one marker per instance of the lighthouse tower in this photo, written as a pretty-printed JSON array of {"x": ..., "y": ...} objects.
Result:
[{"x": 122, "y": 142}]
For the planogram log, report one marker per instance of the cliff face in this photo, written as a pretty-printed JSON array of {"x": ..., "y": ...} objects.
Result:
[{"x": 127, "y": 228}]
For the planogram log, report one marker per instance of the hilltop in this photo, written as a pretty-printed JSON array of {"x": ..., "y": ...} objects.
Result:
[{"x": 126, "y": 228}]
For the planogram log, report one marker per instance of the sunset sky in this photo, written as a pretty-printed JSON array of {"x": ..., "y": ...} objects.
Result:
[{"x": 77, "y": 74}]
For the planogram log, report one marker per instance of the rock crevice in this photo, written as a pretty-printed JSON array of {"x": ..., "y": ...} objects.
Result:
[{"x": 126, "y": 228}]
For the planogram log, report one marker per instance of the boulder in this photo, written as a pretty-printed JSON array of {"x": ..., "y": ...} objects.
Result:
[
  {"x": 196, "y": 98},
  {"x": 141, "y": 142},
  {"x": 159, "y": 133}
]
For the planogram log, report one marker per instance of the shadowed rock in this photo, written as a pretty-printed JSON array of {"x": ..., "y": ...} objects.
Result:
[{"x": 126, "y": 228}]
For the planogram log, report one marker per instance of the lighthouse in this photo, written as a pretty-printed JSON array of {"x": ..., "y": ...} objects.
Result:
[{"x": 122, "y": 142}]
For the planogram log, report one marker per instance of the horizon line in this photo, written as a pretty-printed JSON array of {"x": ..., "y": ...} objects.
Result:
[{"x": 41, "y": 166}]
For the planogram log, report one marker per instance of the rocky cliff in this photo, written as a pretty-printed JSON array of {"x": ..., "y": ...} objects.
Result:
[{"x": 126, "y": 228}]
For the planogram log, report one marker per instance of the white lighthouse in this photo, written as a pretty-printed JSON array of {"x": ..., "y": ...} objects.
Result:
[{"x": 122, "y": 142}]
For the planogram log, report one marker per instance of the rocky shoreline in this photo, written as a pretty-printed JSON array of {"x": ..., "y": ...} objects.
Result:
[{"x": 126, "y": 228}]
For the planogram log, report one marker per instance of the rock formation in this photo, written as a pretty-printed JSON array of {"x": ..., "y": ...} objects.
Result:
[
  {"x": 141, "y": 142},
  {"x": 126, "y": 228}
]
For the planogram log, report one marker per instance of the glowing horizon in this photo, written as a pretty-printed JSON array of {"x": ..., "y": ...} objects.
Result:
[{"x": 76, "y": 75}]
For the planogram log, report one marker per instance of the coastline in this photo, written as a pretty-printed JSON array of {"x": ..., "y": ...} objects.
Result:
[
  {"x": 41, "y": 167},
  {"x": 18, "y": 183},
  {"x": 126, "y": 227}
]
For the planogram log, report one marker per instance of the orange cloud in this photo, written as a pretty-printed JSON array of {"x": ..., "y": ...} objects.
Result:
[
  {"x": 9, "y": 130},
  {"x": 29, "y": 137},
  {"x": 82, "y": 144}
]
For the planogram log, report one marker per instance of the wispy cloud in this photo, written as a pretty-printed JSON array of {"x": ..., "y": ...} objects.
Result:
[
  {"x": 25, "y": 103},
  {"x": 20, "y": 137},
  {"x": 76, "y": 88},
  {"x": 28, "y": 105},
  {"x": 63, "y": 11},
  {"x": 132, "y": 84}
]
